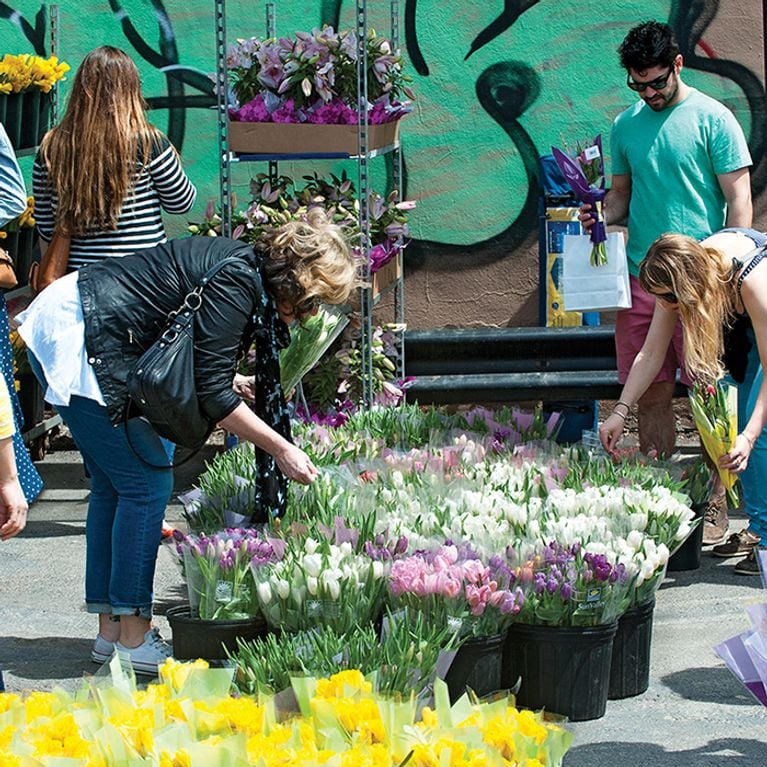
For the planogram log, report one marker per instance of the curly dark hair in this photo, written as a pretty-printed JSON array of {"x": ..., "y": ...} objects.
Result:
[{"x": 648, "y": 45}]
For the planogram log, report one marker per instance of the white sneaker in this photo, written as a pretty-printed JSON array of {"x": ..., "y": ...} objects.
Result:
[
  {"x": 102, "y": 650},
  {"x": 149, "y": 655}
]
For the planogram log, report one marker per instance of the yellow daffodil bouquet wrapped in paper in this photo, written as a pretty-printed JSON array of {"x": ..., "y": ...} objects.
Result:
[
  {"x": 189, "y": 718},
  {"x": 715, "y": 410},
  {"x": 26, "y": 84}
]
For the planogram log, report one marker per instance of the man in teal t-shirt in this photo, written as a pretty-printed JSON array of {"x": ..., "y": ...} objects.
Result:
[
  {"x": 672, "y": 160},
  {"x": 680, "y": 163}
]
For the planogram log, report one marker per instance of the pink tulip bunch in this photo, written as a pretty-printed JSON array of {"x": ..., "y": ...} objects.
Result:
[{"x": 453, "y": 586}]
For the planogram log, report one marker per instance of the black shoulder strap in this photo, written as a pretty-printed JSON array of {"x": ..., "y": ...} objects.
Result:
[
  {"x": 208, "y": 276},
  {"x": 755, "y": 259}
]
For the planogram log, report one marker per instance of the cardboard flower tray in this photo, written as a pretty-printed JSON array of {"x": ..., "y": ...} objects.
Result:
[{"x": 306, "y": 138}]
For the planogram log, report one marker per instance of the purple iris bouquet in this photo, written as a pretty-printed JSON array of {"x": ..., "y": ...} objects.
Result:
[
  {"x": 313, "y": 78},
  {"x": 585, "y": 173},
  {"x": 219, "y": 571},
  {"x": 573, "y": 587}
]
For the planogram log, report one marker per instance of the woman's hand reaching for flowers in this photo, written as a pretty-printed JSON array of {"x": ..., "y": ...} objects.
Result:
[
  {"x": 610, "y": 432},
  {"x": 295, "y": 464}
]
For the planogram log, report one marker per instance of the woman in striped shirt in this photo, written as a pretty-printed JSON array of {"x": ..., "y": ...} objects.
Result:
[
  {"x": 104, "y": 174},
  {"x": 102, "y": 178}
]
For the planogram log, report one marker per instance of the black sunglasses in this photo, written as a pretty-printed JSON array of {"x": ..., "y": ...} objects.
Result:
[
  {"x": 658, "y": 84},
  {"x": 306, "y": 307}
]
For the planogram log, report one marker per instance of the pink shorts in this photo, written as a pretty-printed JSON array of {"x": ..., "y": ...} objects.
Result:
[{"x": 631, "y": 326}]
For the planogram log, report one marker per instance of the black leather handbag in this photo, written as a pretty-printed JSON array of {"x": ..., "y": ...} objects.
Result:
[{"x": 161, "y": 385}]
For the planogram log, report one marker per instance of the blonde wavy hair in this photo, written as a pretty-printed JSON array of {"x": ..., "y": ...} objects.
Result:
[
  {"x": 91, "y": 155},
  {"x": 701, "y": 280},
  {"x": 310, "y": 261}
]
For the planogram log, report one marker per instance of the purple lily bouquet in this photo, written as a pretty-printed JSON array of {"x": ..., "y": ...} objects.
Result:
[
  {"x": 312, "y": 78},
  {"x": 585, "y": 173}
]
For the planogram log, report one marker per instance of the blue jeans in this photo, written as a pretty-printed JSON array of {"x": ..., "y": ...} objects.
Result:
[
  {"x": 753, "y": 480},
  {"x": 127, "y": 504}
]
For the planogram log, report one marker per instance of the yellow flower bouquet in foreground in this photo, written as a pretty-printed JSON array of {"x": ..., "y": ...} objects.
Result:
[
  {"x": 24, "y": 72},
  {"x": 715, "y": 410},
  {"x": 189, "y": 719}
]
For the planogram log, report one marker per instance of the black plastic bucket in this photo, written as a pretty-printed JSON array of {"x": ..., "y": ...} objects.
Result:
[
  {"x": 26, "y": 117},
  {"x": 477, "y": 665},
  {"x": 687, "y": 556},
  {"x": 196, "y": 638},
  {"x": 630, "y": 668},
  {"x": 564, "y": 669}
]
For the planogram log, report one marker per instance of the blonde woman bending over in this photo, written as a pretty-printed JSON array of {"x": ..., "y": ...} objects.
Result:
[
  {"x": 85, "y": 334},
  {"x": 717, "y": 288}
]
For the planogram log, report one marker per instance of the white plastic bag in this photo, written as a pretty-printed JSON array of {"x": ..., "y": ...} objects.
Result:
[{"x": 595, "y": 288}]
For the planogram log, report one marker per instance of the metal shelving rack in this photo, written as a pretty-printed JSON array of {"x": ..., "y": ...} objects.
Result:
[{"x": 363, "y": 157}]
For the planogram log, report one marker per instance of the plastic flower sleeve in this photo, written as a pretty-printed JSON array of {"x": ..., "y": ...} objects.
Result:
[
  {"x": 195, "y": 582},
  {"x": 715, "y": 410},
  {"x": 588, "y": 190},
  {"x": 740, "y": 662}
]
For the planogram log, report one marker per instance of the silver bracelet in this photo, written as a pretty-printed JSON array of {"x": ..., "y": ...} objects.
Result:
[{"x": 748, "y": 439}]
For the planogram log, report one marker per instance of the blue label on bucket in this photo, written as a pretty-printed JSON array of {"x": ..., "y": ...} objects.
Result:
[{"x": 592, "y": 598}]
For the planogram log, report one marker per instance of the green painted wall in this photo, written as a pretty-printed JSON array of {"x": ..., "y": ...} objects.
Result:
[{"x": 497, "y": 84}]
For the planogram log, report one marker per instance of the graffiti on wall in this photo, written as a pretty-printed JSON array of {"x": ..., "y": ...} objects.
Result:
[
  {"x": 187, "y": 87},
  {"x": 497, "y": 84}
]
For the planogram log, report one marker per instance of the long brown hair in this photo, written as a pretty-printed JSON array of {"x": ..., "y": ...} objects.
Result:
[
  {"x": 702, "y": 281},
  {"x": 91, "y": 155}
]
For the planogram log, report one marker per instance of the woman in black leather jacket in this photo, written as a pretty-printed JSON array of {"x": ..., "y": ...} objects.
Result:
[{"x": 85, "y": 334}]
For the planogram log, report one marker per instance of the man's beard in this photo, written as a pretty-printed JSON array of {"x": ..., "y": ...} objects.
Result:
[{"x": 659, "y": 104}]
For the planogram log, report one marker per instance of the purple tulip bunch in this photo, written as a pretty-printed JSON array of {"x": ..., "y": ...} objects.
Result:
[
  {"x": 384, "y": 549},
  {"x": 573, "y": 587},
  {"x": 218, "y": 570}
]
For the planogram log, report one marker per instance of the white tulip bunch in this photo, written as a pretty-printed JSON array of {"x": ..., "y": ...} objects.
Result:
[{"x": 321, "y": 583}]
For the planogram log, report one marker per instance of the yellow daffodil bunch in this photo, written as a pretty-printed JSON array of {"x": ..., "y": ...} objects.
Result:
[
  {"x": 189, "y": 718},
  {"x": 24, "y": 72},
  {"x": 24, "y": 221}
]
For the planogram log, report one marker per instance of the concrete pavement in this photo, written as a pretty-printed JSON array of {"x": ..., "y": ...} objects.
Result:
[{"x": 694, "y": 715}]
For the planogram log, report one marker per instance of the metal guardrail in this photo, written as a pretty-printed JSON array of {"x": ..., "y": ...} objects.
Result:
[{"x": 493, "y": 365}]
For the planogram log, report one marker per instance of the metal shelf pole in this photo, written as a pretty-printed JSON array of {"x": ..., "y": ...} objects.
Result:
[
  {"x": 399, "y": 288},
  {"x": 222, "y": 106},
  {"x": 366, "y": 297},
  {"x": 53, "y": 42},
  {"x": 271, "y": 31}
]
